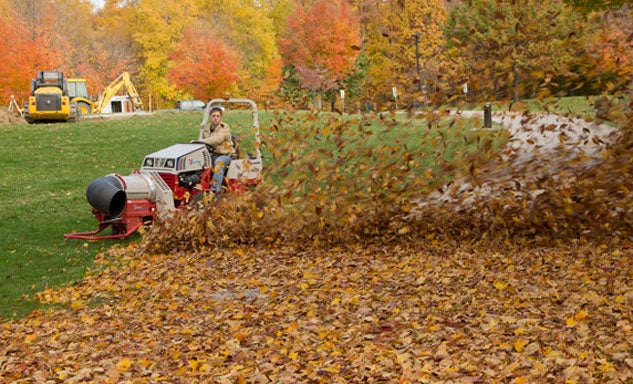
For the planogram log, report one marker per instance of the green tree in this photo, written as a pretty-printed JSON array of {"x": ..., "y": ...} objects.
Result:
[{"x": 290, "y": 90}]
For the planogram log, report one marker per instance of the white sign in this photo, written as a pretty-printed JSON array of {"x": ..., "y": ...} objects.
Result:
[
  {"x": 465, "y": 87},
  {"x": 342, "y": 93},
  {"x": 395, "y": 92}
]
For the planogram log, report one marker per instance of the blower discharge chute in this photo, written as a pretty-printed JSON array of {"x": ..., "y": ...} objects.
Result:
[{"x": 168, "y": 179}]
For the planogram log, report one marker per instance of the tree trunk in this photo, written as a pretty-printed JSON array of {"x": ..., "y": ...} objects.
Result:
[{"x": 515, "y": 86}]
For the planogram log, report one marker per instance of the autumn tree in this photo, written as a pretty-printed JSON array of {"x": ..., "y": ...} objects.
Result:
[
  {"x": 89, "y": 44},
  {"x": 390, "y": 46},
  {"x": 277, "y": 11},
  {"x": 420, "y": 40},
  {"x": 509, "y": 48},
  {"x": 595, "y": 5},
  {"x": 609, "y": 50},
  {"x": 380, "y": 49},
  {"x": 28, "y": 44},
  {"x": 96, "y": 47},
  {"x": 322, "y": 52},
  {"x": 158, "y": 26},
  {"x": 110, "y": 52},
  {"x": 203, "y": 65},
  {"x": 247, "y": 28}
]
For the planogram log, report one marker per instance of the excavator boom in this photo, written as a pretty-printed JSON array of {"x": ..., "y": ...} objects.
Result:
[{"x": 111, "y": 90}]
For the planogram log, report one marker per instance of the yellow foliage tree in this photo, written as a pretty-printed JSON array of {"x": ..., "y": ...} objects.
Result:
[
  {"x": 158, "y": 26},
  {"x": 247, "y": 27}
]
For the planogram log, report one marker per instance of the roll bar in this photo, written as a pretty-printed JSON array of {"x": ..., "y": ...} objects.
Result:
[{"x": 214, "y": 102}]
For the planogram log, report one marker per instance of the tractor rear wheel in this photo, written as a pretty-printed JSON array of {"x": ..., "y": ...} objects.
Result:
[
  {"x": 199, "y": 199},
  {"x": 118, "y": 229}
]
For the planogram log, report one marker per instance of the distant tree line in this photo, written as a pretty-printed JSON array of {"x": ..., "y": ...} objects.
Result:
[{"x": 303, "y": 52}]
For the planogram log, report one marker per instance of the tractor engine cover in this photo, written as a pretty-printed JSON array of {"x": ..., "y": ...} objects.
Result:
[{"x": 177, "y": 159}]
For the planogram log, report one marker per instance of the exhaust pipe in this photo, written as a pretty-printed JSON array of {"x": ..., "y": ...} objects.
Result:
[{"x": 107, "y": 195}]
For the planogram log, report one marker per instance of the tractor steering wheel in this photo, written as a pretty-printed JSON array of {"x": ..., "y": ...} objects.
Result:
[{"x": 210, "y": 147}]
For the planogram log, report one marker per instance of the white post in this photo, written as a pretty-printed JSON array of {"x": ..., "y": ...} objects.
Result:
[
  {"x": 342, "y": 101},
  {"x": 395, "y": 95}
]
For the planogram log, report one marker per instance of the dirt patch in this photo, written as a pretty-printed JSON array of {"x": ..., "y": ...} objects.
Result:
[{"x": 10, "y": 117}]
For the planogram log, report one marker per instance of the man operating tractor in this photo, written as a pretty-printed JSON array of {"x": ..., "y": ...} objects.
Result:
[
  {"x": 175, "y": 177},
  {"x": 217, "y": 134}
]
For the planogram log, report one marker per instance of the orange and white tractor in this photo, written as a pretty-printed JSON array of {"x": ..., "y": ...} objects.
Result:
[{"x": 169, "y": 179}]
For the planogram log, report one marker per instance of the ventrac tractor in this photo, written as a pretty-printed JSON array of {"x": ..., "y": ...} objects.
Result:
[{"x": 170, "y": 179}]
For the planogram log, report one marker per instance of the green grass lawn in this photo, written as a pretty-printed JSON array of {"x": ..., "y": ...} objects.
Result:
[
  {"x": 575, "y": 105},
  {"x": 47, "y": 167},
  {"x": 45, "y": 171}
]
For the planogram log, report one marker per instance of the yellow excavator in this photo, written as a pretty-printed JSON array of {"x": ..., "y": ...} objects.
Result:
[
  {"x": 111, "y": 90},
  {"x": 78, "y": 93}
]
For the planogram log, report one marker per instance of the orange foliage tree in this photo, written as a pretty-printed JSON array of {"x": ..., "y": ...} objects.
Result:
[
  {"x": 322, "y": 52},
  {"x": 23, "y": 54},
  {"x": 203, "y": 65},
  {"x": 610, "y": 48}
]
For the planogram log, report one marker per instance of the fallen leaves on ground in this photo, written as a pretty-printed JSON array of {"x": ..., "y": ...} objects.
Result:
[{"x": 419, "y": 313}]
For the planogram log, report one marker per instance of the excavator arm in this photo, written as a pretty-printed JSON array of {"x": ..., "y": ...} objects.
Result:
[{"x": 111, "y": 90}]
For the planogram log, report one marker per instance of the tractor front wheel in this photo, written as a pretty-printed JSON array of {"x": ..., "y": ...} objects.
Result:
[
  {"x": 27, "y": 117},
  {"x": 118, "y": 229}
]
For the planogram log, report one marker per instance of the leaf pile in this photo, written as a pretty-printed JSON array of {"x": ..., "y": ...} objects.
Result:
[
  {"x": 350, "y": 184},
  {"x": 424, "y": 313},
  {"x": 332, "y": 187},
  {"x": 560, "y": 178},
  {"x": 10, "y": 117}
]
